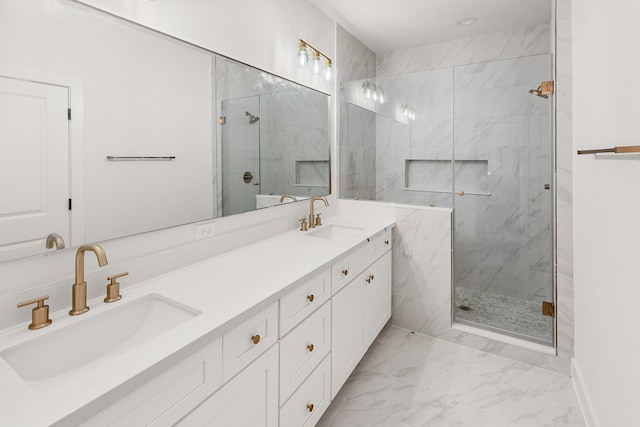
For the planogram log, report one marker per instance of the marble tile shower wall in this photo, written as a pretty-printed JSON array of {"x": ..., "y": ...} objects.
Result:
[
  {"x": 503, "y": 241},
  {"x": 402, "y": 174},
  {"x": 357, "y": 156},
  {"x": 294, "y": 158},
  {"x": 564, "y": 184},
  {"x": 489, "y": 47},
  {"x": 501, "y": 138},
  {"x": 240, "y": 150}
]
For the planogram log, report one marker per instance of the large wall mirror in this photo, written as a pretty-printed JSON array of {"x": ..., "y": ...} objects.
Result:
[{"x": 110, "y": 129}]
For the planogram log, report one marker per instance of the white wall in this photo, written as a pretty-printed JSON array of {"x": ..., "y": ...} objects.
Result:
[
  {"x": 607, "y": 202},
  {"x": 261, "y": 33}
]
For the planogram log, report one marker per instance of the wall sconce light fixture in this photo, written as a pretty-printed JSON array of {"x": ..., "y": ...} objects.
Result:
[
  {"x": 374, "y": 92},
  {"x": 302, "y": 53}
]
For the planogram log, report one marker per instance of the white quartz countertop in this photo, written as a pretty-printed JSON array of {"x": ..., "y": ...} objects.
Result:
[{"x": 226, "y": 289}]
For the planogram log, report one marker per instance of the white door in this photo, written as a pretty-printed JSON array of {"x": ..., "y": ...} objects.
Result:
[{"x": 34, "y": 166}]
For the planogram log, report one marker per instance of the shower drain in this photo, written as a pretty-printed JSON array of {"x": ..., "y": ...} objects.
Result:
[{"x": 464, "y": 307}]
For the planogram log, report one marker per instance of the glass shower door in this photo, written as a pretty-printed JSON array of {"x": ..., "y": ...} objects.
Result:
[
  {"x": 503, "y": 256},
  {"x": 240, "y": 138}
]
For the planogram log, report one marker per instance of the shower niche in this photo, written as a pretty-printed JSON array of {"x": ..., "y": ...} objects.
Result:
[{"x": 470, "y": 175}]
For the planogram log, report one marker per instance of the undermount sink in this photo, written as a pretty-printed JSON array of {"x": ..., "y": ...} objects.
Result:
[
  {"x": 334, "y": 232},
  {"x": 104, "y": 335}
]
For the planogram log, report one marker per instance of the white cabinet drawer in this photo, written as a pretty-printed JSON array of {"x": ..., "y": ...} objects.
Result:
[
  {"x": 170, "y": 395},
  {"x": 247, "y": 341},
  {"x": 302, "y": 301},
  {"x": 342, "y": 272},
  {"x": 382, "y": 243},
  {"x": 309, "y": 402},
  {"x": 302, "y": 350},
  {"x": 348, "y": 268}
]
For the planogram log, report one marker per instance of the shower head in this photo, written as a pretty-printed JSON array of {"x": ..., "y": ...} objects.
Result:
[
  {"x": 252, "y": 118},
  {"x": 538, "y": 92}
]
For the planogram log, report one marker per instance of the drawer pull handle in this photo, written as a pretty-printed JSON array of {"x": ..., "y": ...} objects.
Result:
[
  {"x": 255, "y": 339},
  {"x": 345, "y": 272},
  {"x": 310, "y": 347},
  {"x": 310, "y": 297},
  {"x": 386, "y": 242},
  {"x": 310, "y": 407}
]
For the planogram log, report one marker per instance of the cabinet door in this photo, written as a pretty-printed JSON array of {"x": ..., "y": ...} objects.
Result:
[
  {"x": 248, "y": 400},
  {"x": 377, "y": 297},
  {"x": 347, "y": 341}
]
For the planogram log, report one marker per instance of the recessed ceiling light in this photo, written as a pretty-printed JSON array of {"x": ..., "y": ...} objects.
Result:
[{"x": 467, "y": 21}]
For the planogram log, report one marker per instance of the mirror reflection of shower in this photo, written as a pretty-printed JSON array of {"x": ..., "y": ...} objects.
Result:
[{"x": 252, "y": 119}]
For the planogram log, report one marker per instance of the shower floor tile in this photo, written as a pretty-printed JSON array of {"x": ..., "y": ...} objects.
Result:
[
  {"x": 509, "y": 314},
  {"x": 407, "y": 379}
]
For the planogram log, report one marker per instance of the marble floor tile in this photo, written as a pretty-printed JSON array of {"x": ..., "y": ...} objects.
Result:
[{"x": 407, "y": 379}]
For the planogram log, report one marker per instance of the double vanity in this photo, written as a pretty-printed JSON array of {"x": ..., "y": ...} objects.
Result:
[{"x": 264, "y": 335}]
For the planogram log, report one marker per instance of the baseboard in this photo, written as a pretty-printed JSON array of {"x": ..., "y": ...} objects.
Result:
[{"x": 584, "y": 398}]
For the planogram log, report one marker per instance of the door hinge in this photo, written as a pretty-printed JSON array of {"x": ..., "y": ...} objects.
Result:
[
  {"x": 223, "y": 120},
  {"x": 69, "y": 204},
  {"x": 547, "y": 308},
  {"x": 69, "y": 114},
  {"x": 547, "y": 88}
]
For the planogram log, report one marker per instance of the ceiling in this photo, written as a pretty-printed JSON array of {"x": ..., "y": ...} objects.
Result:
[{"x": 387, "y": 25}]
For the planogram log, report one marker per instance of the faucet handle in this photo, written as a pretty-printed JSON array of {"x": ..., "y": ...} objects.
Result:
[
  {"x": 39, "y": 314},
  {"x": 113, "y": 288},
  {"x": 318, "y": 220},
  {"x": 303, "y": 224}
]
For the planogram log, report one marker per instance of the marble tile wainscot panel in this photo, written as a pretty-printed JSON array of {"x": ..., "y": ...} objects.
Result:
[{"x": 421, "y": 275}]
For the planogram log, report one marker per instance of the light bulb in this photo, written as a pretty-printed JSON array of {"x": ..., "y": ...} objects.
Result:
[
  {"x": 301, "y": 53},
  {"x": 315, "y": 62},
  {"x": 375, "y": 94},
  {"x": 328, "y": 72},
  {"x": 381, "y": 97},
  {"x": 367, "y": 91}
]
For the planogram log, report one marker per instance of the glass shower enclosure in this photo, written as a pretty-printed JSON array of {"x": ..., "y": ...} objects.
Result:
[{"x": 479, "y": 143}]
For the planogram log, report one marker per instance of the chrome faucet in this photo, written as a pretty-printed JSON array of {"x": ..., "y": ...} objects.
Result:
[
  {"x": 313, "y": 221},
  {"x": 288, "y": 196},
  {"x": 79, "y": 288}
]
